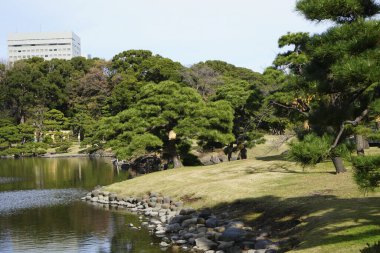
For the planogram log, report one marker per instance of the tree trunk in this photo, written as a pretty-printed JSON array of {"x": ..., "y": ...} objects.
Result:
[
  {"x": 338, "y": 164},
  {"x": 359, "y": 139},
  {"x": 230, "y": 149},
  {"x": 243, "y": 153},
  {"x": 366, "y": 143},
  {"x": 173, "y": 155}
]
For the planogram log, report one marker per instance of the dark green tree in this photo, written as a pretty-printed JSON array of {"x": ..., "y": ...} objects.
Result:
[
  {"x": 165, "y": 115},
  {"x": 341, "y": 67}
]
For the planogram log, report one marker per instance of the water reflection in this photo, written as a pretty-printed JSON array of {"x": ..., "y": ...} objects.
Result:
[
  {"x": 77, "y": 227},
  {"x": 39, "y": 173},
  {"x": 40, "y": 211}
]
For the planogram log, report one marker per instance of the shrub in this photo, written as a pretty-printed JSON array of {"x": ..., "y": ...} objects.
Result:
[
  {"x": 63, "y": 147},
  {"x": 310, "y": 151},
  {"x": 367, "y": 171}
]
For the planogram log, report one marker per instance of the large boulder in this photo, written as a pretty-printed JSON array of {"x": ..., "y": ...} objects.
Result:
[{"x": 144, "y": 165}]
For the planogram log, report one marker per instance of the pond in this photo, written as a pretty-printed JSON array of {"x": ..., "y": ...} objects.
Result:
[{"x": 40, "y": 208}]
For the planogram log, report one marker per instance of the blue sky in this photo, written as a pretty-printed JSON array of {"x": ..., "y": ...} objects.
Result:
[{"x": 241, "y": 32}]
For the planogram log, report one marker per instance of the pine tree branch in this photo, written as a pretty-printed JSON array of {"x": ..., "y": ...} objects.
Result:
[
  {"x": 288, "y": 107},
  {"x": 348, "y": 122}
]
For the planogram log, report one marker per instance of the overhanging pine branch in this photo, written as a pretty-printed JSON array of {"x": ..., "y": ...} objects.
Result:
[{"x": 348, "y": 122}]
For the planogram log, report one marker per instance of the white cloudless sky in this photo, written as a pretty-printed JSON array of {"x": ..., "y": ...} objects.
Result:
[{"x": 241, "y": 32}]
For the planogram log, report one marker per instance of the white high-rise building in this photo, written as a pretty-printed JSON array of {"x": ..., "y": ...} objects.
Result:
[{"x": 64, "y": 45}]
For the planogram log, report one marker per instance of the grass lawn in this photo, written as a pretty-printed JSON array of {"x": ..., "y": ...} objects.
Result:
[{"x": 323, "y": 211}]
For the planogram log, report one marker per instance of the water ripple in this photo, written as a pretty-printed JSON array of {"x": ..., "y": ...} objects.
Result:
[{"x": 13, "y": 201}]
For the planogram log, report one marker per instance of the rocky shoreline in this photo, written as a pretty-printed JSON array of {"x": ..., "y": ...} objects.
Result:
[{"x": 186, "y": 228}]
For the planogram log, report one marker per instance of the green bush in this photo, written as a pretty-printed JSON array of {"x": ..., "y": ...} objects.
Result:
[
  {"x": 310, "y": 151},
  {"x": 63, "y": 147},
  {"x": 367, "y": 171}
]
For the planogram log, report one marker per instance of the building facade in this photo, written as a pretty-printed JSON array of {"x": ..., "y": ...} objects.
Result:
[{"x": 65, "y": 45}]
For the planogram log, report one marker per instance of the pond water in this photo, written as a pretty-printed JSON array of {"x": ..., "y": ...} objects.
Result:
[{"x": 40, "y": 209}]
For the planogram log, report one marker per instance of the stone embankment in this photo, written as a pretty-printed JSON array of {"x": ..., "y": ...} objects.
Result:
[{"x": 186, "y": 228}]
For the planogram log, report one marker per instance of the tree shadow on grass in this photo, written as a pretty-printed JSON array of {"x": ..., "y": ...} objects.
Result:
[
  {"x": 315, "y": 220},
  {"x": 282, "y": 168},
  {"x": 271, "y": 158}
]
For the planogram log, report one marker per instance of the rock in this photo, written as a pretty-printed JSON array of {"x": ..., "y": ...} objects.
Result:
[
  {"x": 179, "y": 218},
  {"x": 202, "y": 230},
  {"x": 153, "y": 199},
  {"x": 180, "y": 242},
  {"x": 214, "y": 159},
  {"x": 155, "y": 222},
  {"x": 95, "y": 193},
  {"x": 152, "y": 204},
  {"x": 187, "y": 211},
  {"x": 201, "y": 221},
  {"x": 188, "y": 236},
  {"x": 271, "y": 251},
  {"x": 233, "y": 234},
  {"x": 225, "y": 245},
  {"x": 235, "y": 249},
  {"x": 205, "y": 244},
  {"x": 172, "y": 228},
  {"x": 165, "y": 239},
  {"x": 164, "y": 244},
  {"x": 112, "y": 197},
  {"x": 205, "y": 213},
  {"x": 159, "y": 200},
  {"x": 248, "y": 245},
  {"x": 236, "y": 224},
  {"x": 262, "y": 244},
  {"x": 160, "y": 232},
  {"x": 211, "y": 222},
  {"x": 166, "y": 200},
  {"x": 189, "y": 222},
  {"x": 165, "y": 206},
  {"x": 220, "y": 229},
  {"x": 210, "y": 251},
  {"x": 178, "y": 204}
]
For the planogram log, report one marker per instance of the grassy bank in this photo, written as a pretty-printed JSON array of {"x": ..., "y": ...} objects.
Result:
[{"x": 324, "y": 211}]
